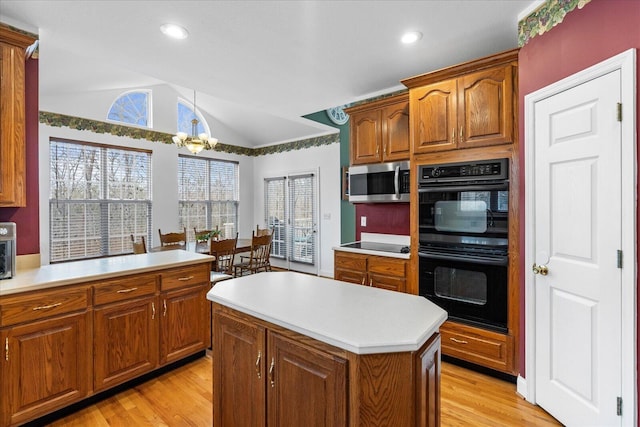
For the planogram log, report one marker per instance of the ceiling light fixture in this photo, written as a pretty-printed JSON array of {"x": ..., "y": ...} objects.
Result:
[
  {"x": 174, "y": 31},
  {"x": 411, "y": 37},
  {"x": 194, "y": 142}
]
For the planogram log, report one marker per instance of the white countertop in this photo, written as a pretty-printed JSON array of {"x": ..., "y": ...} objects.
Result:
[
  {"x": 67, "y": 273},
  {"x": 359, "y": 319}
]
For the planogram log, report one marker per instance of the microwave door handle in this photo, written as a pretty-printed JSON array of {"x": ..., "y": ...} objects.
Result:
[{"x": 396, "y": 182}]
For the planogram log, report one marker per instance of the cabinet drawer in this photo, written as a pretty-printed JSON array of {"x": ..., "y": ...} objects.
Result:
[
  {"x": 387, "y": 266},
  {"x": 185, "y": 276},
  {"x": 351, "y": 261},
  {"x": 485, "y": 348},
  {"x": 124, "y": 289},
  {"x": 42, "y": 305}
]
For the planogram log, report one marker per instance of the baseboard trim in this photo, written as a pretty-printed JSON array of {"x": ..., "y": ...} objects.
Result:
[{"x": 521, "y": 386}]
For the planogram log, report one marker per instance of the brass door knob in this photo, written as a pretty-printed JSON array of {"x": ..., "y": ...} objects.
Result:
[{"x": 540, "y": 269}]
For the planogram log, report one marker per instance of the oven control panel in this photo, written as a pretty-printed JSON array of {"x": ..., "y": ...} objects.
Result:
[{"x": 497, "y": 169}]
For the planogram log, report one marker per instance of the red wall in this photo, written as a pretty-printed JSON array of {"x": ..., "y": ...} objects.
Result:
[
  {"x": 383, "y": 218},
  {"x": 27, "y": 219},
  {"x": 602, "y": 29}
]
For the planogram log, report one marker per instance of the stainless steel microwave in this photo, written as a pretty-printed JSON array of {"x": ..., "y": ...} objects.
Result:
[{"x": 379, "y": 183}]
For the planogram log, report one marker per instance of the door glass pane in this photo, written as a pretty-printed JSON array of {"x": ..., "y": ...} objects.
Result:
[
  {"x": 461, "y": 285},
  {"x": 461, "y": 216}
]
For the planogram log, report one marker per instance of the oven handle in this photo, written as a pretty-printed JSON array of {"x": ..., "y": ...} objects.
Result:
[
  {"x": 473, "y": 187},
  {"x": 500, "y": 260}
]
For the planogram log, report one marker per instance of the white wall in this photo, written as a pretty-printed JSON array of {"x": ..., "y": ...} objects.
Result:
[
  {"x": 164, "y": 169},
  {"x": 323, "y": 160}
]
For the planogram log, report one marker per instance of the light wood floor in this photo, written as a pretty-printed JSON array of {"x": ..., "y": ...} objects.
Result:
[{"x": 182, "y": 397}]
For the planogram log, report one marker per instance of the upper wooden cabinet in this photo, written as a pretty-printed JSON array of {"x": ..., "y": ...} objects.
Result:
[
  {"x": 380, "y": 130},
  {"x": 465, "y": 106},
  {"x": 12, "y": 117}
]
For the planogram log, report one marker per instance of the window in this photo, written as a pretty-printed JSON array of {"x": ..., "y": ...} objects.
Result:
[
  {"x": 186, "y": 115},
  {"x": 290, "y": 211},
  {"x": 208, "y": 195},
  {"x": 132, "y": 108},
  {"x": 99, "y": 196}
]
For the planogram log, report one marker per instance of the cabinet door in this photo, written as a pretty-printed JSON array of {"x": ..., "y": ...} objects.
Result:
[
  {"x": 239, "y": 372},
  {"x": 125, "y": 341},
  {"x": 184, "y": 323},
  {"x": 45, "y": 366},
  {"x": 485, "y": 108},
  {"x": 350, "y": 267},
  {"x": 395, "y": 137},
  {"x": 433, "y": 117},
  {"x": 306, "y": 387},
  {"x": 428, "y": 383},
  {"x": 388, "y": 273},
  {"x": 390, "y": 283},
  {"x": 366, "y": 137}
]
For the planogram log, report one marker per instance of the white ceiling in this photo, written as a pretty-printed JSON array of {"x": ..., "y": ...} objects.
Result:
[{"x": 258, "y": 66}]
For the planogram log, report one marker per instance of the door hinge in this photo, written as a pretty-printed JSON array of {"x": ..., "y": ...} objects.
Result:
[
  {"x": 619, "y": 406},
  {"x": 619, "y": 258},
  {"x": 619, "y": 111}
]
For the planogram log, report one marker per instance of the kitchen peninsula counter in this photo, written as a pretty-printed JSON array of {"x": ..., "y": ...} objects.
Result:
[
  {"x": 373, "y": 354},
  {"x": 68, "y": 273}
]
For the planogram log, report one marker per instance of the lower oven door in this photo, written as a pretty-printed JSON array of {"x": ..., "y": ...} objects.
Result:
[{"x": 471, "y": 289}]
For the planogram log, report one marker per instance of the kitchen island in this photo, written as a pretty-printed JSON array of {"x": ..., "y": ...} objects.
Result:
[{"x": 296, "y": 349}]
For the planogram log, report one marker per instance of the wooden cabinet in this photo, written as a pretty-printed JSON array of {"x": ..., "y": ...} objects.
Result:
[
  {"x": 474, "y": 107},
  {"x": 379, "y": 131},
  {"x": 371, "y": 270},
  {"x": 70, "y": 342},
  {"x": 281, "y": 378},
  {"x": 46, "y": 353},
  {"x": 12, "y": 117}
]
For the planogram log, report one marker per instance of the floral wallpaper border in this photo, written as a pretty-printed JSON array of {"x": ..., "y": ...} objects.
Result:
[
  {"x": 78, "y": 123},
  {"x": 547, "y": 16}
]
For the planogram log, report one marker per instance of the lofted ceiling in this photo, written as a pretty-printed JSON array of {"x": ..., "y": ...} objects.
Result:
[{"x": 258, "y": 66}]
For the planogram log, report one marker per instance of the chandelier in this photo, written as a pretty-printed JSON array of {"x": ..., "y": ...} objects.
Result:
[{"x": 194, "y": 142}]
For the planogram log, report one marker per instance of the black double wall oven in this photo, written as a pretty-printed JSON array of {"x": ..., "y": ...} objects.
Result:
[{"x": 463, "y": 252}]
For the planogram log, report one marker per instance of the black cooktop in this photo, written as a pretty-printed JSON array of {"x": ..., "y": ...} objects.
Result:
[{"x": 380, "y": 247}]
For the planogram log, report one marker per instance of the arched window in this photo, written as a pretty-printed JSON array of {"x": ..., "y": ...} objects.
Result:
[
  {"x": 185, "y": 116},
  {"x": 133, "y": 107}
]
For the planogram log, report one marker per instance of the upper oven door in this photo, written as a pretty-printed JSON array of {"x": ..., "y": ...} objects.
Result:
[{"x": 464, "y": 210}]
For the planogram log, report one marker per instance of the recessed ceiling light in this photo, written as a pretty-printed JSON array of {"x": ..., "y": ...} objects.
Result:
[
  {"x": 411, "y": 37},
  {"x": 174, "y": 31}
]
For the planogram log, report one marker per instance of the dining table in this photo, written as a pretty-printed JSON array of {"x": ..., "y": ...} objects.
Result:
[{"x": 243, "y": 245}]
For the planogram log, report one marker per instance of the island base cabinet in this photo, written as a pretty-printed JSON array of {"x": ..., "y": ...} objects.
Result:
[
  {"x": 281, "y": 378},
  {"x": 44, "y": 367}
]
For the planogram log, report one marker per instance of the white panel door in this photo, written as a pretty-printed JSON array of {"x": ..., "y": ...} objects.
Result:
[{"x": 577, "y": 238}]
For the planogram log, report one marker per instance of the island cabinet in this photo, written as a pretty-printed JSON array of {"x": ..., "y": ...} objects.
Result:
[
  {"x": 379, "y": 130},
  {"x": 371, "y": 270},
  {"x": 465, "y": 106},
  {"x": 46, "y": 341},
  {"x": 296, "y": 350},
  {"x": 85, "y": 334},
  {"x": 12, "y": 117}
]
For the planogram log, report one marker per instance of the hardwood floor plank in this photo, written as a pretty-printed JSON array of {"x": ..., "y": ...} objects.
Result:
[{"x": 182, "y": 397}]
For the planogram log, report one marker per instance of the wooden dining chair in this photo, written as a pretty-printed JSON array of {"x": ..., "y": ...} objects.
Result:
[
  {"x": 224, "y": 251},
  {"x": 173, "y": 239},
  {"x": 258, "y": 258},
  {"x": 138, "y": 247}
]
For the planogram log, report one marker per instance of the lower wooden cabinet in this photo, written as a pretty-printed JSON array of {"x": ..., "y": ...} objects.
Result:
[
  {"x": 65, "y": 344},
  {"x": 281, "y": 378},
  {"x": 476, "y": 345},
  {"x": 371, "y": 270}
]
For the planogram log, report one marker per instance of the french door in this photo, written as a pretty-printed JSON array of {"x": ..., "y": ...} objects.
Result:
[{"x": 291, "y": 212}]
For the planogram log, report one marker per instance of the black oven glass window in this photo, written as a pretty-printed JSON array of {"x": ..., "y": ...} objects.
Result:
[{"x": 461, "y": 285}]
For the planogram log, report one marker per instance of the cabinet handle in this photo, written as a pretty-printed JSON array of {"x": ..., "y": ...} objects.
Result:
[
  {"x": 461, "y": 134},
  {"x": 453, "y": 135},
  {"x": 258, "y": 371},
  {"x": 363, "y": 279},
  {"x": 184, "y": 279},
  {"x": 46, "y": 307},
  {"x": 458, "y": 341},
  {"x": 126, "y": 291},
  {"x": 164, "y": 308},
  {"x": 370, "y": 282},
  {"x": 272, "y": 368},
  {"x": 377, "y": 149},
  {"x": 6, "y": 349},
  {"x": 153, "y": 310}
]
